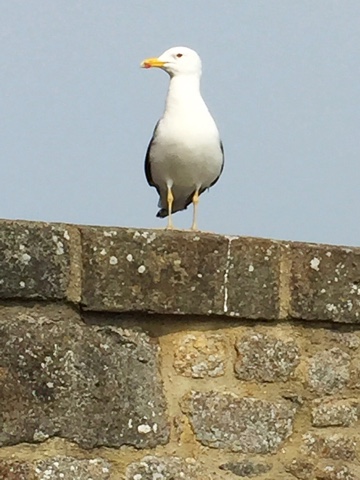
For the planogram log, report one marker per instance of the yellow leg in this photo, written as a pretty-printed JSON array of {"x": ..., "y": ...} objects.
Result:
[
  {"x": 170, "y": 201},
  {"x": 195, "y": 201}
]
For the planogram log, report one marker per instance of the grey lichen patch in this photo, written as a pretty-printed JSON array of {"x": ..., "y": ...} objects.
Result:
[
  {"x": 329, "y": 371},
  {"x": 325, "y": 283},
  {"x": 200, "y": 355},
  {"x": 69, "y": 468},
  {"x": 165, "y": 468},
  {"x": 334, "y": 413},
  {"x": 246, "y": 468},
  {"x": 92, "y": 385},
  {"x": 246, "y": 425},
  {"x": 253, "y": 279},
  {"x": 336, "y": 446},
  {"x": 163, "y": 271},
  {"x": 265, "y": 358},
  {"x": 36, "y": 261}
]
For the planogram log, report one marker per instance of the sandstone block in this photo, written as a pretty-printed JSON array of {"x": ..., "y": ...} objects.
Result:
[
  {"x": 92, "y": 385},
  {"x": 39, "y": 261},
  {"x": 246, "y": 425},
  {"x": 246, "y": 468},
  {"x": 200, "y": 355},
  {"x": 253, "y": 278},
  {"x": 265, "y": 358},
  {"x": 334, "y": 413},
  {"x": 325, "y": 283},
  {"x": 335, "y": 446},
  {"x": 160, "y": 271},
  {"x": 165, "y": 468},
  {"x": 329, "y": 371}
]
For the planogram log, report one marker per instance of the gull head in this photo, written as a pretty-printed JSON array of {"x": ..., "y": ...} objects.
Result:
[{"x": 176, "y": 61}]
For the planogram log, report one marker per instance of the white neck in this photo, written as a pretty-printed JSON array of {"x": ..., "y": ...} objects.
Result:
[{"x": 184, "y": 91}]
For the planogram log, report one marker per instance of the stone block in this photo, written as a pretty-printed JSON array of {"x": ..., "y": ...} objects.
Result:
[
  {"x": 55, "y": 468},
  {"x": 336, "y": 472},
  {"x": 16, "y": 470},
  {"x": 265, "y": 358},
  {"x": 301, "y": 468},
  {"x": 153, "y": 271},
  {"x": 239, "y": 424},
  {"x": 329, "y": 371},
  {"x": 69, "y": 468},
  {"x": 91, "y": 385},
  {"x": 253, "y": 279},
  {"x": 165, "y": 468},
  {"x": 334, "y": 413},
  {"x": 325, "y": 283},
  {"x": 246, "y": 468},
  {"x": 336, "y": 446},
  {"x": 39, "y": 261},
  {"x": 200, "y": 355}
]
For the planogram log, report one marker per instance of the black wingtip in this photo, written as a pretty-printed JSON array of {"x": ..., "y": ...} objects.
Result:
[{"x": 162, "y": 213}]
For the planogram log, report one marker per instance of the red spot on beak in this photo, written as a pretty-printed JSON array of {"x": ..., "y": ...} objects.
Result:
[{"x": 147, "y": 65}]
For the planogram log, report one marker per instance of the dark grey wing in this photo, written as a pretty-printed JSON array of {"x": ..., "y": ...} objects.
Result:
[
  {"x": 147, "y": 160},
  {"x": 222, "y": 166}
]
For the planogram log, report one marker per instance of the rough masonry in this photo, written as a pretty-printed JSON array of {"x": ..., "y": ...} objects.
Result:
[{"x": 160, "y": 355}]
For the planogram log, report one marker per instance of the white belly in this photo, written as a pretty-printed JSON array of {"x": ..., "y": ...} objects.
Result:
[{"x": 196, "y": 165}]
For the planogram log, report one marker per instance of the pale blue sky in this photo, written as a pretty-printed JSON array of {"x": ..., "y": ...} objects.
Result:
[{"x": 280, "y": 77}]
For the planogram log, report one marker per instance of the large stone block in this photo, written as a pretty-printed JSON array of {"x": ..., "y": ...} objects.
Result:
[
  {"x": 253, "y": 279},
  {"x": 325, "y": 283},
  {"x": 239, "y": 424},
  {"x": 335, "y": 413},
  {"x": 335, "y": 446},
  {"x": 246, "y": 468},
  {"x": 92, "y": 385},
  {"x": 157, "y": 270},
  {"x": 200, "y": 355},
  {"x": 39, "y": 261},
  {"x": 266, "y": 358},
  {"x": 55, "y": 468},
  {"x": 329, "y": 371},
  {"x": 165, "y": 468}
]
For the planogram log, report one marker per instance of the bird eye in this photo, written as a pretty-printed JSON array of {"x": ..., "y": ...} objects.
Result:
[{"x": 179, "y": 55}]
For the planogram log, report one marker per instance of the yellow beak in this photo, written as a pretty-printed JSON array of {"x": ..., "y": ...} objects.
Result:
[{"x": 152, "y": 62}]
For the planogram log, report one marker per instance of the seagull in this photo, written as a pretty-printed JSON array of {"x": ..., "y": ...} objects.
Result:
[{"x": 185, "y": 156}]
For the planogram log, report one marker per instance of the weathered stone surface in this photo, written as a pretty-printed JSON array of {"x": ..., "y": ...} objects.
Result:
[
  {"x": 16, "y": 470},
  {"x": 39, "y": 261},
  {"x": 92, "y": 385},
  {"x": 253, "y": 279},
  {"x": 325, "y": 283},
  {"x": 69, "y": 468},
  {"x": 329, "y": 371},
  {"x": 246, "y": 468},
  {"x": 161, "y": 271},
  {"x": 165, "y": 468},
  {"x": 334, "y": 413},
  {"x": 56, "y": 468},
  {"x": 347, "y": 339},
  {"x": 301, "y": 468},
  {"x": 336, "y": 472},
  {"x": 335, "y": 446},
  {"x": 265, "y": 358},
  {"x": 246, "y": 425},
  {"x": 200, "y": 355}
]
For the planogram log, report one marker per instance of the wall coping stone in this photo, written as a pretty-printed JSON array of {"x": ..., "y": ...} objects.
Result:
[{"x": 178, "y": 272}]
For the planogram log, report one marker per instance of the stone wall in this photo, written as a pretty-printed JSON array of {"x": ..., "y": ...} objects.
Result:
[{"x": 158, "y": 355}]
